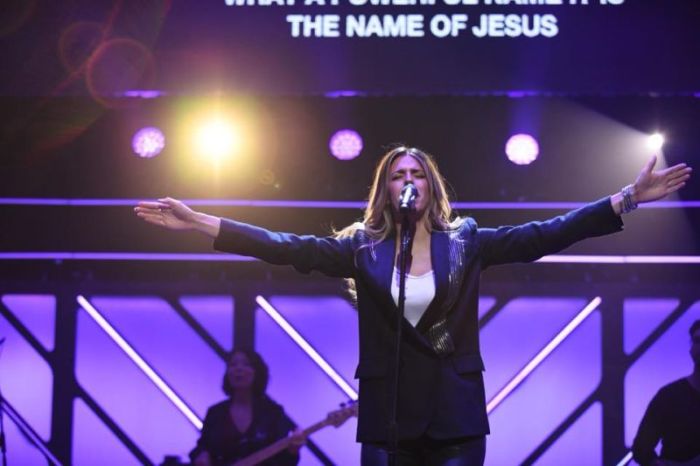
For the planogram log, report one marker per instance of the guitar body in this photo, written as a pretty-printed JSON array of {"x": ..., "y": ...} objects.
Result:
[{"x": 335, "y": 418}]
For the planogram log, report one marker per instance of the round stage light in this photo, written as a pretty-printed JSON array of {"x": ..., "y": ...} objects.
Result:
[
  {"x": 656, "y": 141},
  {"x": 148, "y": 142},
  {"x": 345, "y": 144},
  {"x": 217, "y": 139},
  {"x": 522, "y": 149}
]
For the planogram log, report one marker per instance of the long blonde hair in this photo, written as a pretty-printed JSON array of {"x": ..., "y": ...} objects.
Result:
[{"x": 378, "y": 221}]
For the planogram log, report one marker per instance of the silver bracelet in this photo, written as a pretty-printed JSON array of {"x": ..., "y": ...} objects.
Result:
[{"x": 628, "y": 205}]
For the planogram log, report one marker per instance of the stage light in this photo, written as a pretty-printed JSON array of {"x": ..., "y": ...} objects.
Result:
[
  {"x": 656, "y": 141},
  {"x": 542, "y": 355},
  {"x": 522, "y": 149},
  {"x": 345, "y": 144},
  {"x": 306, "y": 347},
  {"x": 148, "y": 142},
  {"x": 140, "y": 362},
  {"x": 217, "y": 138}
]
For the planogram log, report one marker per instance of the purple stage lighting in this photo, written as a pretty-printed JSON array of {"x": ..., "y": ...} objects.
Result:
[
  {"x": 148, "y": 142},
  {"x": 542, "y": 355},
  {"x": 522, "y": 149},
  {"x": 345, "y": 144}
]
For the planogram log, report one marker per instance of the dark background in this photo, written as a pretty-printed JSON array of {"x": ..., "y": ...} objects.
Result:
[{"x": 188, "y": 46}]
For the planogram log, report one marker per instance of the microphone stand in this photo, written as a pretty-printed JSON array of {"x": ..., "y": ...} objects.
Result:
[
  {"x": 3, "y": 444},
  {"x": 25, "y": 429},
  {"x": 407, "y": 231}
]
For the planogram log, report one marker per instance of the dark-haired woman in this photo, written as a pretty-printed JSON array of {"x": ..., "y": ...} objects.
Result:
[
  {"x": 442, "y": 417},
  {"x": 247, "y": 421}
]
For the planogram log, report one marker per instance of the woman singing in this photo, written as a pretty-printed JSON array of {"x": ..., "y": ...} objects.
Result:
[{"x": 441, "y": 407}]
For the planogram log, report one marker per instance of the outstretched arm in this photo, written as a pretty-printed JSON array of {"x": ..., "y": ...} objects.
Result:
[
  {"x": 530, "y": 241},
  {"x": 331, "y": 256},
  {"x": 175, "y": 215},
  {"x": 653, "y": 185}
]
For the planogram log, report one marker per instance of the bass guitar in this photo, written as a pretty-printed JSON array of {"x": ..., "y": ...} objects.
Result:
[{"x": 334, "y": 418}]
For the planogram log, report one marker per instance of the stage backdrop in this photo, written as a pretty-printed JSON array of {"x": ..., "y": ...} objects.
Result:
[
  {"x": 581, "y": 405},
  {"x": 350, "y": 46}
]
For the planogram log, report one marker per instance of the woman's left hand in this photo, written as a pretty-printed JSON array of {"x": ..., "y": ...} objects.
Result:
[{"x": 653, "y": 185}]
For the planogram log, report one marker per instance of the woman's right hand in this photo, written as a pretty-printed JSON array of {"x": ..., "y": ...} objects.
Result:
[{"x": 167, "y": 212}]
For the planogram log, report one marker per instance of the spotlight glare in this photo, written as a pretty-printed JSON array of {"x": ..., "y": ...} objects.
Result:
[
  {"x": 345, "y": 144},
  {"x": 656, "y": 141},
  {"x": 522, "y": 149},
  {"x": 148, "y": 142},
  {"x": 217, "y": 139}
]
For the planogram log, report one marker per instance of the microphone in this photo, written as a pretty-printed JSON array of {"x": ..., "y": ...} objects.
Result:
[{"x": 407, "y": 198}]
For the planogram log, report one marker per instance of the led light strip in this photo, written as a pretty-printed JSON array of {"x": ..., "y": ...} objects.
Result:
[
  {"x": 145, "y": 256},
  {"x": 304, "y": 345},
  {"x": 546, "y": 351},
  {"x": 593, "y": 259},
  {"x": 138, "y": 360},
  {"x": 324, "y": 204},
  {"x": 124, "y": 256},
  {"x": 625, "y": 460}
]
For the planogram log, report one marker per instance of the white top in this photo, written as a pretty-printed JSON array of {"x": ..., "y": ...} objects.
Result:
[{"x": 420, "y": 291}]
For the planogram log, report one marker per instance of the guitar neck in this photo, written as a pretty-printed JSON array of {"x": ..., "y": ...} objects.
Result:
[{"x": 280, "y": 445}]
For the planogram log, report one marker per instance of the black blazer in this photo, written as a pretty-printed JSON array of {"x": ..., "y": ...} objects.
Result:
[{"x": 441, "y": 385}]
